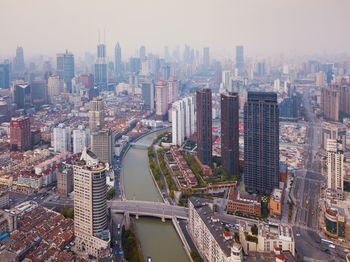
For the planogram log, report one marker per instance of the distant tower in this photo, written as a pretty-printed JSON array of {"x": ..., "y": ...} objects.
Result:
[
  {"x": 81, "y": 139},
  {"x": 142, "y": 52},
  {"x": 18, "y": 63},
  {"x": 65, "y": 68},
  {"x": 54, "y": 87},
  {"x": 239, "y": 58},
  {"x": 4, "y": 76},
  {"x": 22, "y": 96},
  {"x": 96, "y": 114},
  {"x": 261, "y": 142},
  {"x": 204, "y": 126},
  {"x": 230, "y": 133},
  {"x": 173, "y": 89},
  {"x": 206, "y": 58},
  {"x": 102, "y": 144},
  {"x": 90, "y": 204},
  {"x": 101, "y": 67},
  {"x": 147, "y": 89},
  {"x": 118, "y": 59}
]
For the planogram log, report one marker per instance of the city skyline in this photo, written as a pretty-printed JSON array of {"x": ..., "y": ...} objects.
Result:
[{"x": 257, "y": 26}]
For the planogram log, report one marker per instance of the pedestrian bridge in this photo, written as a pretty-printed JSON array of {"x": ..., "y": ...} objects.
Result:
[
  {"x": 139, "y": 145},
  {"x": 146, "y": 208}
]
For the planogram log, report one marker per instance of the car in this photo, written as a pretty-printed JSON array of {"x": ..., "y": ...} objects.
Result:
[{"x": 298, "y": 235}]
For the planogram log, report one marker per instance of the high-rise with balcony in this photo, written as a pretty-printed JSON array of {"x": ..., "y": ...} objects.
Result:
[
  {"x": 182, "y": 120},
  {"x": 261, "y": 142},
  {"x": 173, "y": 89},
  {"x": 230, "y": 133},
  {"x": 335, "y": 165},
  {"x": 90, "y": 205},
  {"x": 20, "y": 134},
  {"x": 81, "y": 139},
  {"x": 61, "y": 138},
  {"x": 204, "y": 126},
  {"x": 162, "y": 99}
]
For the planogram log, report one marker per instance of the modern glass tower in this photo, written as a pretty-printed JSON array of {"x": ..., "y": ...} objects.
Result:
[
  {"x": 204, "y": 126},
  {"x": 230, "y": 133},
  {"x": 261, "y": 142},
  {"x": 239, "y": 57},
  {"x": 118, "y": 59},
  {"x": 65, "y": 68},
  {"x": 101, "y": 67}
]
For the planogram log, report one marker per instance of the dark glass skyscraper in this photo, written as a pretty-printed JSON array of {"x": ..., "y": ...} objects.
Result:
[
  {"x": 18, "y": 62},
  {"x": 261, "y": 142},
  {"x": 65, "y": 68},
  {"x": 118, "y": 59},
  {"x": 204, "y": 126},
  {"x": 22, "y": 96},
  {"x": 230, "y": 133},
  {"x": 239, "y": 57},
  {"x": 4, "y": 76},
  {"x": 101, "y": 67}
]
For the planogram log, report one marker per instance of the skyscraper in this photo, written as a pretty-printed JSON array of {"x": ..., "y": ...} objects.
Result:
[
  {"x": 18, "y": 62},
  {"x": 20, "y": 134},
  {"x": 335, "y": 165},
  {"x": 230, "y": 133},
  {"x": 261, "y": 142},
  {"x": 65, "y": 68},
  {"x": 61, "y": 138},
  {"x": 206, "y": 58},
  {"x": 142, "y": 52},
  {"x": 173, "y": 89},
  {"x": 81, "y": 139},
  {"x": 101, "y": 67},
  {"x": 239, "y": 58},
  {"x": 204, "y": 126},
  {"x": 90, "y": 204},
  {"x": 118, "y": 59},
  {"x": 96, "y": 114},
  {"x": 4, "y": 76},
  {"x": 102, "y": 144},
  {"x": 39, "y": 92},
  {"x": 22, "y": 96},
  {"x": 147, "y": 89},
  {"x": 161, "y": 100},
  {"x": 54, "y": 87}
]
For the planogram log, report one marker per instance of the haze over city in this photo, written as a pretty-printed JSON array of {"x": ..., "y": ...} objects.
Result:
[{"x": 263, "y": 26}]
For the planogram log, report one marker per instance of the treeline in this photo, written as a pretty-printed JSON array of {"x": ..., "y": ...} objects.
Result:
[
  {"x": 154, "y": 168},
  {"x": 129, "y": 243},
  {"x": 67, "y": 212},
  {"x": 171, "y": 183}
]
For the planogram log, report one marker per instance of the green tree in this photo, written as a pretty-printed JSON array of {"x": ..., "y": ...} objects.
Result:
[
  {"x": 110, "y": 193},
  {"x": 254, "y": 230}
]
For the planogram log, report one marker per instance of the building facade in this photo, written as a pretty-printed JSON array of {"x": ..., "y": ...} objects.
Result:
[
  {"x": 147, "y": 90},
  {"x": 243, "y": 203},
  {"x": 102, "y": 144},
  {"x": 230, "y": 133},
  {"x": 4, "y": 76},
  {"x": 204, "y": 126},
  {"x": 173, "y": 89},
  {"x": 101, "y": 67},
  {"x": 20, "y": 134},
  {"x": 335, "y": 165},
  {"x": 65, "y": 180},
  {"x": 61, "y": 138},
  {"x": 333, "y": 130},
  {"x": 55, "y": 87},
  {"x": 261, "y": 143},
  {"x": 65, "y": 68},
  {"x": 81, "y": 139},
  {"x": 96, "y": 114},
  {"x": 22, "y": 96},
  {"x": 90, "y": 204}
]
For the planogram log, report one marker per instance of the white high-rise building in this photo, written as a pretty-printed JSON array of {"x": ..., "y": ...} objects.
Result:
[
  {"x": 276, "y": 85},
  {"x": 61, "y": 138},
  {"x": 55, "y": 86},
  {"x": 182, "y": 120},
  {"x": 81, "y": 139},
  {"x": 335, "y": 165},
  {"x": 90, "y": 205},
  {"x": 226, "y": 79}
]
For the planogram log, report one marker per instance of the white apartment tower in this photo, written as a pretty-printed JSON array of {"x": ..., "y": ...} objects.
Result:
[
  {"x": 55, "y": 86},
  {"x": 96, "y": 114},
  {"x": 61, "y": 138},
  {"x": 182, "y": 120},
  {"x": 335, "y": 165},
  {"x": 81, "y": 139},
  {"x": 90, "y": 204}
]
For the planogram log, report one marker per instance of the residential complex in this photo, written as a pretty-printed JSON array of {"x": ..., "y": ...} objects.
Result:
[
  {"x": 182, "y": 120},
  {"x": 61, "y": 138},
  {"x": 335, "y": 165},
  {"x": 243, "y": 203}
]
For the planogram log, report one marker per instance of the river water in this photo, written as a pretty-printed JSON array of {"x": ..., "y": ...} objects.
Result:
[{"x": 158, "y": 240}]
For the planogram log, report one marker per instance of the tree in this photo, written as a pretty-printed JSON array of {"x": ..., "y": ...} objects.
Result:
[
  {"x": 110, "y": 193},
  {"x": 195, "y": 256},
  {"x": 254, "y": 230}
]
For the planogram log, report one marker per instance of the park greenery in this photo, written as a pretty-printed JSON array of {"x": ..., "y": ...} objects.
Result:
[
  {"x": 129, "y": 243},
  {"x": 110, "y": 193},
  {"x": 170, "y": 182},
  {"x": 67, "y": 212},
  {"x": 154, "y": 168},
  {"x": 254, "y": 229},
  {"x": 250, "y": 238},
  {"x": 290, "y": 211}
]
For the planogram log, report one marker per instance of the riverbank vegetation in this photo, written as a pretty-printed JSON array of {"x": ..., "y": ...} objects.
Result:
[
  {"x": 154, "y": 168},
  {"x": 170, "y": 182},
  {"x": 130, "y": 246}
]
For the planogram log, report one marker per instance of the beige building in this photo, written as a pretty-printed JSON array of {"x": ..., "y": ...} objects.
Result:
[
  {"x": 335, "y": 165},
  {"x": 90, "y": 205},
  {"x": 96, "y": 114},
  {"x": 333, "y": 130},
  {"x": 209, "y": 236},
  {"x": 102, "y": 144},
  {"x": 55, "y": 86},
  {"x": 65, "y": 180},
  {"x": 161, "y": 100}
]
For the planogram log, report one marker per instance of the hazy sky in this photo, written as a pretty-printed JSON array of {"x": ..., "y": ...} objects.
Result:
[{"x": 262, "y": 26}]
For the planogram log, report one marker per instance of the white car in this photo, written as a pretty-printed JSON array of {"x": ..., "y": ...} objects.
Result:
[{"x": 298, "y": 235}]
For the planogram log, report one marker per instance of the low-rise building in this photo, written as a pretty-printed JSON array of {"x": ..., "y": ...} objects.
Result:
[
  {"x": 243, "y": 203},
  {"x": 209, "y": 236},
  {"x": 276, "y": 201}
]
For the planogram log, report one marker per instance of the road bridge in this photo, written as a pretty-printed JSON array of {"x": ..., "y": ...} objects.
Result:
[{"x": 152, "y": 209}]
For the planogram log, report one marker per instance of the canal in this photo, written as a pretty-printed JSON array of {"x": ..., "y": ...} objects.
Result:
[{"x": 158, "y": 240}]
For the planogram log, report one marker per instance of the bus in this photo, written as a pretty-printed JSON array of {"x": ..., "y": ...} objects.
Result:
[{"x": 327, "y": 242}]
